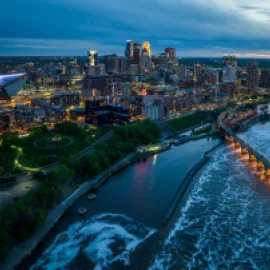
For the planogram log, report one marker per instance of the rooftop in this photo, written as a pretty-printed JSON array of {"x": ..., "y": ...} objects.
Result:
[{"x": 5, "y": 79}]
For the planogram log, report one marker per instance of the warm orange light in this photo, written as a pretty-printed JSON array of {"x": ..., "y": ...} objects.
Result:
[
  {"x": 146, "y": 45},
  {"x": 260, "y": 165},
  {"x": 252, "y": 158},
  {"x": 244, "y": 151},
  {"x": 237, "y": 145},
  {"x": 144, "y": 92}
]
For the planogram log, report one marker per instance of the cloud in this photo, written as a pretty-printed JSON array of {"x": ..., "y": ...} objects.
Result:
[
  {"x": 197, "y": 26},
  {"x": 53, "y": 47}
]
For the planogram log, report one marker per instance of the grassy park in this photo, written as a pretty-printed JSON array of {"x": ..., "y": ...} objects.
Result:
[
  {"x": 189, "y": 121},
  {"x": 21, "y": 218},
  {"x": 199, "y": 117},
  {"x": 43, "y": 147}
]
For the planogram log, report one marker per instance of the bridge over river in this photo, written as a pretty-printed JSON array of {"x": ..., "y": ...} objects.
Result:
[{"x": 262, "y": 163}]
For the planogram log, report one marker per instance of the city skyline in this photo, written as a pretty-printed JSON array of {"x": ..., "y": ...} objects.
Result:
[{"x": 194, "y": 28}]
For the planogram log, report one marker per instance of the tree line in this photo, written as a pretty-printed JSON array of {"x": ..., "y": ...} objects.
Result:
[{"x": 21, "y": 218}]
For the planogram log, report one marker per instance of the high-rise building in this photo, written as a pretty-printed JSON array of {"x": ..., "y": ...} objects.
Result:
[
  {"x": 197, "y": 70},
  {"x": 228, "y": 74},
  {"x": 146, "y": 46},
  {"x": 145, "y": 59},
  {"x": 129, "y": 49},
  {"x": 163, "y": 59},
  {"x": 171, "y": 52},
  {"x": 229, "y": 60},
  {"x": 253, "y": 75},
  {"x": 181, "y": 71},
  {"x": 92, "y": 58},
  {"x": 136, "y": 53},
  {"x": 211, "y": 77},
  {"x": 114, "y": 64},
  {"x": 265, "y": 78}
]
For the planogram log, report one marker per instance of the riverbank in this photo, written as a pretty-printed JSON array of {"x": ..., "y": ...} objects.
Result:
[
  {"x": 20, "y": 252},
  {"x": 23, "y": 250},
  {"x": 185, "y": 184},
  {"x": 155, "y": 243}
]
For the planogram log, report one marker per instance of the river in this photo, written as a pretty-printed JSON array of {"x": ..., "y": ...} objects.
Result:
[
  {"x": 223, "y": 223},
  {"x": 138, "y": 198}
]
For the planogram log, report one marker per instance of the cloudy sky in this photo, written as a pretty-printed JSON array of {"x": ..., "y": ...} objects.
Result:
[{"x": 193, "y": 27}]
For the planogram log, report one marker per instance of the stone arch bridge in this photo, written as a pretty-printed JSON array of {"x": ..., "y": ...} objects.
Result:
[{"x": 261, "y": 163}]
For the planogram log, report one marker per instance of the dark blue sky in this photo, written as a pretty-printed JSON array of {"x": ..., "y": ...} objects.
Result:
[{"x": 193, "y": 27}]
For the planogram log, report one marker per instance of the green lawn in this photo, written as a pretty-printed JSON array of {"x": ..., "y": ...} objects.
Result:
[
  {"x": 74, "y": 140},
  {"x": 35, "y": 157},
  {"x": 185, "y": 122}
]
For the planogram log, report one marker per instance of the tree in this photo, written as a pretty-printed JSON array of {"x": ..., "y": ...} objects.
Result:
[
  {"x": 103, "y": 160},
  {"x": 89, "y": 165},
  {"x": 44, "y": 128},
  {"x": 4, "y": 243}
]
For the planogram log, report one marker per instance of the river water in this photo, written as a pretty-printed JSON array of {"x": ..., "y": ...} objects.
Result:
[
  {"x": 223, "y": 223},
  {"x": 258, "y": 136}
]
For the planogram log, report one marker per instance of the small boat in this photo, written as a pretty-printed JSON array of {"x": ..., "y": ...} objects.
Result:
[
  {"x": 91, "y": 196},
  {"x": 63, "y": 238},
  {"x": 82, "y": 211}
]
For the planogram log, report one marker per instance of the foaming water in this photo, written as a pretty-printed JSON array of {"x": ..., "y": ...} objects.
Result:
[
  {"x": 104, "y": 239},
  {"x": 258, "y": 137},
  {"x": 223, "y": 224}
]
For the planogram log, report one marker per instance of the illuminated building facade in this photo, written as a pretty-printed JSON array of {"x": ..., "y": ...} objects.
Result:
[
  {"x": 100, "y": 112},
  {"x": 146, "y": 46},
  {"x": 92, "y": 58},
  {"x": 10, "y": 85},
  {"x": 129, "y": 49}
]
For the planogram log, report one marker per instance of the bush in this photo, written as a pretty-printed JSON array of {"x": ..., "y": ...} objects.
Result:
[
  {"x": 8, "y": 180},
  {"x": 20, "y": 219},
  {"x": 39, "y": 175}
]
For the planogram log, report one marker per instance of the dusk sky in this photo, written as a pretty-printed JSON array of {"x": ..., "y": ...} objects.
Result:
[{"x": 193, "y": 27}]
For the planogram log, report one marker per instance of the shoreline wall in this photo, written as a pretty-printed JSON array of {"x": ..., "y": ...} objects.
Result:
[
  {"x": 19, "y": 253},
  {"x": 184, "y": 185}
]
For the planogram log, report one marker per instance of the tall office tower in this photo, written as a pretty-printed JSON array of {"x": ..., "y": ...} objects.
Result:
[
  {"x": 163, "y": 59},
  {"x": 181, "y": 71},
  {"x": 171, "y": 52},
  {"x": 129, "y": 49},
  {"x": 229, "y": 60},
  {"x": 229, "y": 74},
  {"x": 136, "y": 53},
  {"x": 197, "y": 71},
  {"x": 114, "y": 64},
  {"x": 145, "y": 59},
  {"x": 265, "y": 78},
  {"x": 92, "y": 58},
  {"x": 146, "y": 45},
  {"x": 211, "y": 76},
  {"x": 253, "y": 75}
]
